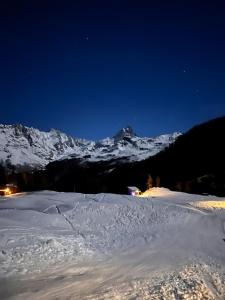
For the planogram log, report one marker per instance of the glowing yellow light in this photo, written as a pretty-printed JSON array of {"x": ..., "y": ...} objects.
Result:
[
  {"x": 6, "y": 191},
  {"x": 210, "y": 204}
]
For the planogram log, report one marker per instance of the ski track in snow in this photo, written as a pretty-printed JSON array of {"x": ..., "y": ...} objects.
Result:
[
  {"x": 66, "y": 219},
  {"x": 105, "y": 246}
]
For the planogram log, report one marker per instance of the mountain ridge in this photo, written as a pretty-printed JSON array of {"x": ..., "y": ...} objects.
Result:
[{"x": 27, "y": 147}]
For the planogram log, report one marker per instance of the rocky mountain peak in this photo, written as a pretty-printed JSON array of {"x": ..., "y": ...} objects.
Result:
[{"x": 126, "y": 132}]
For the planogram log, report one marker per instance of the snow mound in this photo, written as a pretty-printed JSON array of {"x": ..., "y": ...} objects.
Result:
[{"x": 157, "y": 192}]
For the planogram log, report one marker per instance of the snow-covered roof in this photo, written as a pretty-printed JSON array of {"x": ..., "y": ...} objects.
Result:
[{"x": 133, "y": 188}]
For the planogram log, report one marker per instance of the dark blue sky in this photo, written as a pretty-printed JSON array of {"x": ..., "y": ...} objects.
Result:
[{"x": 89, "y": 68}]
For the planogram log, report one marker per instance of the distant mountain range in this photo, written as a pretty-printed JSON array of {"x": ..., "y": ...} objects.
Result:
[
  {"x": 192, "y": 162},
  {"x": 26, "y": 148}
]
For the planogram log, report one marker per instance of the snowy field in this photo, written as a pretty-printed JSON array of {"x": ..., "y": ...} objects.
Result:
[{"x": 167, "y": 245}]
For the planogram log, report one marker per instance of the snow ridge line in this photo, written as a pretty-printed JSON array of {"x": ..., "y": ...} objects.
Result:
[
  {"x": 91, "y": 198},
  {"x": 66, "y": 219}
]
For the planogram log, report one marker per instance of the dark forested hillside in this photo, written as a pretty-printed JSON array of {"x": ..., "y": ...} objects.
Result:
[{"x": 194, "y": 163}]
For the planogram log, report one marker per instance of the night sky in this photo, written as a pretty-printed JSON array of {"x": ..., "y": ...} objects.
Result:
[{"x": 89, "y": 68}]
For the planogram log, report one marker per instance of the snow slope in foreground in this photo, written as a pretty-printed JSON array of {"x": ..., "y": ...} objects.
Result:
[{"x": 105, "y": 246}]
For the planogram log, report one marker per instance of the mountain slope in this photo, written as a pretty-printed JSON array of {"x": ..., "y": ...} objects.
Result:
[
  {"x": 30, "y": 148},
  {"x": 24, "y": 146}
]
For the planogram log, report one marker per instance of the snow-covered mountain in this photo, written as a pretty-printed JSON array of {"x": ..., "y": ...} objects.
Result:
[{"x": 23, "y": 146}]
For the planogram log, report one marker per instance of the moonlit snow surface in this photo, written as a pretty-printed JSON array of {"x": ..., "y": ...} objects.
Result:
[{"x": 168, "y": 245}]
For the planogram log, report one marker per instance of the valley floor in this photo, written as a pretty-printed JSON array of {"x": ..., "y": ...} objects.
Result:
[{"x": 167, "y": 245}]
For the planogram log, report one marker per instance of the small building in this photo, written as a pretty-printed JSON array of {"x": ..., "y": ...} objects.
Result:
[
  {"x": 133, "y": 190},
  {"x": 8, "y": 189}
]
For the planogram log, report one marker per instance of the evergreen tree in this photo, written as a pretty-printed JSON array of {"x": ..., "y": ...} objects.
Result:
[
  {"x": 157, "y": 181},
  {"x": 149, "y": 182}
]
